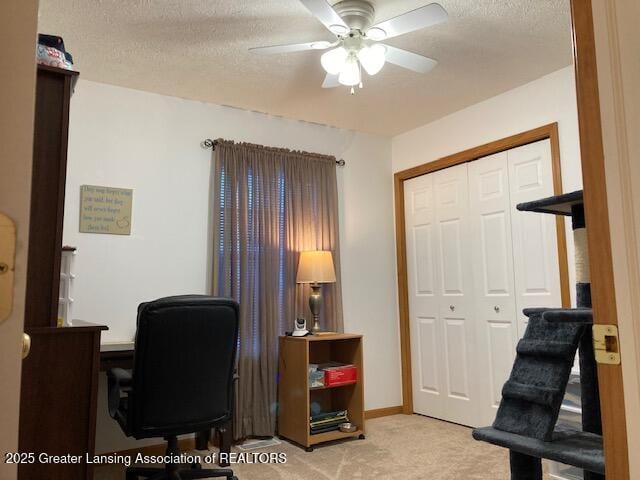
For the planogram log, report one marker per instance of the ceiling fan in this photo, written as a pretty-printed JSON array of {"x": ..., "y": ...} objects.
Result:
[{"x": 357, "y": 44}]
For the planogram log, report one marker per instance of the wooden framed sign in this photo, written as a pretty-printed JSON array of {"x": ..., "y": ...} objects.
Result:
[{"x": 105, "y": 210}]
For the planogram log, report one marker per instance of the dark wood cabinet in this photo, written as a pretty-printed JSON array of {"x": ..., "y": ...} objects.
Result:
[
  {"x": 59, "y": 400},
  {"x": 49, "y": 174},
  {"x": 60, "y": 376}
]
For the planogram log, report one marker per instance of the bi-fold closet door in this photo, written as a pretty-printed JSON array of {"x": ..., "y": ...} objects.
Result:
[
  {"x": 441, "y": 299},
  {"x": 474, "y": 263}
]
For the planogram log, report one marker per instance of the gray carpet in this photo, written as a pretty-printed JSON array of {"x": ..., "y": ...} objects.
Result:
[{"x": 400, "y": 446}]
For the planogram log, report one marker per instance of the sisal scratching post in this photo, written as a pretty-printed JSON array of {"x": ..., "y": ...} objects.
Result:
[{"x": 590, "y": 396}]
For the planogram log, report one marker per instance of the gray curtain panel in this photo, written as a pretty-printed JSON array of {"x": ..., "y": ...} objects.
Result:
[{"x": 270, "y": 204}]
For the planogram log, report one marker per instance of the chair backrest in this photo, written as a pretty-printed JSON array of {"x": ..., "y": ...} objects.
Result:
[{"x": 185, "y": 352}]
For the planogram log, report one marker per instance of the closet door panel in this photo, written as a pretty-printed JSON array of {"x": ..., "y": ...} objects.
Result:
[
  {"x": 492, "y": 260},
  {"x": 474, "y": 263},
  {"x": 457, "y": 358},
  {"x": 427, "y": 336},
  {"x": 456, "y": 293},
  {"x": 427, "y": 367},
  {"x": 501, "y": 355},
  {"x": 535, "y": 249}
]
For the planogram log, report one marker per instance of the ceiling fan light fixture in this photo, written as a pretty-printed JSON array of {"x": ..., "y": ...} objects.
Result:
[
  {"x": 356, "y": 47},
  {"x": 350, "y": 73},
  {"x": 339, "y": 29},
  {"x": 372, "y": 58},
  {"x": 334, "y": 60},
  {"x": 322, "y": 45},
  {"x": 376, "y": 33}
]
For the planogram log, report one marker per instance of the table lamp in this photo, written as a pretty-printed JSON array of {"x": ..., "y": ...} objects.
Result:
[{"x": 316, "y": 267}]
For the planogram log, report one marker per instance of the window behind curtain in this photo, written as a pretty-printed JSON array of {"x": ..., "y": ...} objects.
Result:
[{"x": 270, "y": 204}]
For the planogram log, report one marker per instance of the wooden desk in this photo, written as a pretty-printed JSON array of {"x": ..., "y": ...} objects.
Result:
[
  {"x": 120, "y": 355},
  {"x": 116, "y": 355}
]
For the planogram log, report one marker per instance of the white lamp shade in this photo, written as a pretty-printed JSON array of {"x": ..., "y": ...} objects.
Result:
[
  {"x": 350, "y": 74},
  {"x": 316, "y": 267},
  {"x": 333, "y": 61},
  {"x": 372, "y": 58}
]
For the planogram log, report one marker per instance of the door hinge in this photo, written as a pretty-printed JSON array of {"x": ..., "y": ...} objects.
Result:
[{"x": 606, "y": 344}]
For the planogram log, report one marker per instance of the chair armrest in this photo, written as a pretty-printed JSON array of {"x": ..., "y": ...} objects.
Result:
[
  {"x": 119, "y": 382},
  {"x": 120, "y": 375}
]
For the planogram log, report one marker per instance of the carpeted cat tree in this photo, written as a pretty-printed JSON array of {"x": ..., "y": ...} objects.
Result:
[{"x": 532, "y": 397}]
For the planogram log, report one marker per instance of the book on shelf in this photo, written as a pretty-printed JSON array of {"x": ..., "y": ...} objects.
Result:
[
  {"x": 327, "y": 428},
  {"x": 336, "y": 374},
  {"x": 326, "y": 415},
  {"x": 327, "y": 422}
]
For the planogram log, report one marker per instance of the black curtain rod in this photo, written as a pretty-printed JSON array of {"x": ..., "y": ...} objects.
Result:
[{"x": 207, "y": 143}]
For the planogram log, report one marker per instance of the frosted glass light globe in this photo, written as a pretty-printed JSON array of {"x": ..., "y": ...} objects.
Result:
[
  {"x": 372, "y": 58},
  {"x": 350, "y": 74},
  {"x": 334, "y": 60}
]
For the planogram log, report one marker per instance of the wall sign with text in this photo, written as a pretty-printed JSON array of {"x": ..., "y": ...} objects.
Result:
[{"x": 105, "y": 210}]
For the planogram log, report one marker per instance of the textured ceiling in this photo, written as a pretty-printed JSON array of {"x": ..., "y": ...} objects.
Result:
[{"x": 197, "y": 49}]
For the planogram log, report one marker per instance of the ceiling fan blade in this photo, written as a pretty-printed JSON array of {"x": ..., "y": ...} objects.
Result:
[
  {"x": 326, "y": 14},
  {"x": 294, "y": 47},
  {"x": 409, "y": 60},
  {"x": 414, "y": 20},
  {"x": 330, "y": 81}
]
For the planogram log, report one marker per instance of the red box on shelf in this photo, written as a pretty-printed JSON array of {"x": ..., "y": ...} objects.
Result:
[{"x": 342, "y": 375}]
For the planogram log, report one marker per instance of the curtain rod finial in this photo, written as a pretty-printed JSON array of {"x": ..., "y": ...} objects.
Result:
[
  {"x": 208, "y": 143},
  {"x": 341, "y": 162}
]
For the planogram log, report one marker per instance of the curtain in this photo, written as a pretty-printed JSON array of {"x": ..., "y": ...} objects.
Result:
[{"x": 270, "y": 204}]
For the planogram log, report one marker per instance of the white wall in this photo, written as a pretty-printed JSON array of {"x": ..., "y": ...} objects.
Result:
[
  {"x": 151, "y": 143},
  {"x": 551, "y": 98}
]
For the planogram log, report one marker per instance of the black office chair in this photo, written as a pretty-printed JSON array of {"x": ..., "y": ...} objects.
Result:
[{"x": 182, "y": 378}]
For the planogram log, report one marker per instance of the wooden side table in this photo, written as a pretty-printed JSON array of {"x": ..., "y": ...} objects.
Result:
[{"x": 295, "y": 395}]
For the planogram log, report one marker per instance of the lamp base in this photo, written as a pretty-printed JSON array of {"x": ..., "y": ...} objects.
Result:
[
  {"x": 316, "y": 325},
  {"x": 315, "y": 302}
]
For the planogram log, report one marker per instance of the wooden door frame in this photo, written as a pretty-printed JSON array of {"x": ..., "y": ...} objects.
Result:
[
  {"x": 598, "y": 233},
  {"x": 550, "y": 132},
  {"x": 597, "y": 217}
]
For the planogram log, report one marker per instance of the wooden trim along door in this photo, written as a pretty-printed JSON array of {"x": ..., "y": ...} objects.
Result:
[
  {"x": 598, "y": 233},
  {"x": 549, "y": 132}
]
